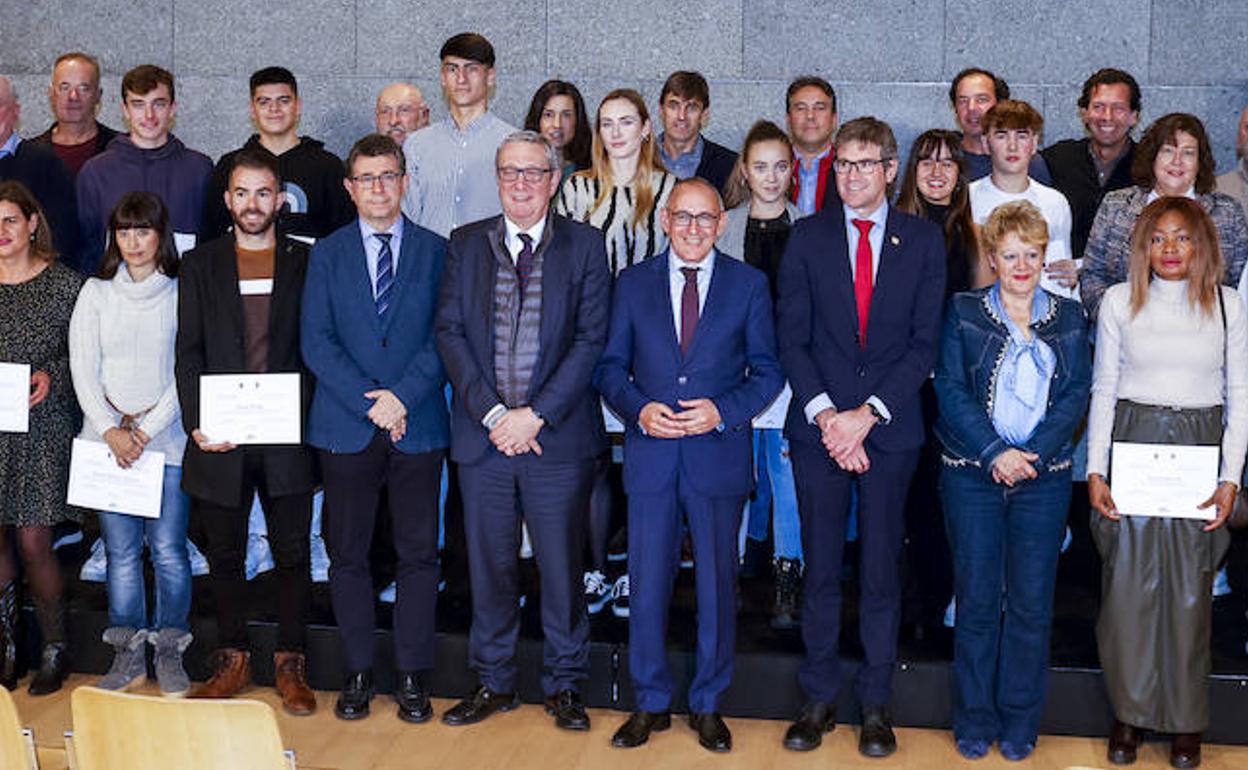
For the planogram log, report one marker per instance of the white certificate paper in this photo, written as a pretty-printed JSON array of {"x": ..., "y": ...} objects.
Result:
[
  {"x": 97, "y": 482},
  {"x": 1163, "y": 479},
  {"x": 14, "y": 398},
  {"x": 250, "y": 408}
]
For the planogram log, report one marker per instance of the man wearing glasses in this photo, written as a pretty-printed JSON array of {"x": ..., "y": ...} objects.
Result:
[
  {"x": 521, "y": 322},
  {"x": 451, "y": 163},
  {"x": 401, "y": 111},
  {"x": 690, "y": 360},
  {"x": 861, "y": 289},
  {"x": 378, "y": 418}
]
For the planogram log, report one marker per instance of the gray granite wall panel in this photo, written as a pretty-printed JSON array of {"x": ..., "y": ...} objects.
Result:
[
  {"x": 121, "y": 34},
  {"x": 1199, "y": 42},
  {"x": 232, "y": 37}
]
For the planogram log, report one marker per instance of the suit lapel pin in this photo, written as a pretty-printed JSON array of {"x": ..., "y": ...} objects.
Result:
[{"x": 894, "y": 240}]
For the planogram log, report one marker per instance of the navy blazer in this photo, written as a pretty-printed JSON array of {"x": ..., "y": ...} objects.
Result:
[
  {"x": 818, "y": 323},
  {"x": 352, "y": 351},
  {"x": 732, "y": 361},
  {"x": 576, "y": 295}
]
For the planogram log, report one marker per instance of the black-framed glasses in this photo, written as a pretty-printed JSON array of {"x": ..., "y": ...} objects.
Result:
[
  {"x": 388, "y": 179},
  {"x": 866, "y": 166},
  {"x": 706, "y": 220},
  {"x": 531, "y": 174}
]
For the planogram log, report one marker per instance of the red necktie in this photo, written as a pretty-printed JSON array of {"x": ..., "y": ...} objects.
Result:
[
  {"x": 688, "y": 309},
  {"x": 862, "y": 277}
]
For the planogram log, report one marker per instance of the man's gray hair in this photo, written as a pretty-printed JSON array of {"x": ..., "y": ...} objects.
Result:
[{"x": 554, "y": 159}]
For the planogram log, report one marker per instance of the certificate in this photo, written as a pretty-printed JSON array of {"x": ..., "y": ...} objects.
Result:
[
  {"x": 1167, "y": 480},
  {"x": 14, "y": 398},
  {"x": 250, "y": 408},
  {"x": 97, "y": 482},
  {"x": 774, "y": 415}
]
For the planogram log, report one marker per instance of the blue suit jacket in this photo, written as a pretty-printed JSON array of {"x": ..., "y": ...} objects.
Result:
[
  {"x": 576, "y": 296},
  {"x": 732, "y": 361},
  {"x": 817, "y": 323},
  {"x": 351, "y": 351}
]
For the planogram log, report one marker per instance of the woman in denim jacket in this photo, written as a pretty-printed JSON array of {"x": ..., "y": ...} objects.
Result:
[{"x": 1012, "y": 384}]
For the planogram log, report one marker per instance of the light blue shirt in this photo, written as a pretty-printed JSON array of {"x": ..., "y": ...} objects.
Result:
[
  {"x": 808, "y": 187},
  {"x": 10, "y": 147},
  {"x": 676, "y": 282},
  {"x": 451, "y": 173},
  {"x": 686, "y": 165},
  {"x": 372, "y": 248},
  {"x": 1021, "y": 395}
]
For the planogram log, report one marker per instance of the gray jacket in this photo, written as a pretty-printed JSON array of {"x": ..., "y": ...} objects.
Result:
[{"x": 732, "y": 241}]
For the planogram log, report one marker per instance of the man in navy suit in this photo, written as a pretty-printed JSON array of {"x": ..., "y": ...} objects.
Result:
[
  {"x": 690, "y": 360},
  {"x": 521, "y": 322},
  {"x": 378, "y": 417},
  {"x": 861, "y": 287}
]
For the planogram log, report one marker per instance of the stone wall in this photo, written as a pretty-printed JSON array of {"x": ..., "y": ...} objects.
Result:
[{"x": 890, "y": 58}]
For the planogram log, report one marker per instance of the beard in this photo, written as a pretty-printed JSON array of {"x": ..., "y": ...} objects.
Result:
[{"x": 241, "y": 225}]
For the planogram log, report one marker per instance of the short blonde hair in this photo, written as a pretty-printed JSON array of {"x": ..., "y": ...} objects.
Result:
[{"x": 1020, "y": 218}]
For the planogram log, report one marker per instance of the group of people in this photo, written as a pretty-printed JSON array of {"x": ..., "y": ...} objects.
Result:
[{"x": 775, "y": 322}]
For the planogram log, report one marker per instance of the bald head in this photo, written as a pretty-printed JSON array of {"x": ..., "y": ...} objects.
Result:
[
  {"x": 10, "y": 110},
  {"x": 401, "y": 109}
]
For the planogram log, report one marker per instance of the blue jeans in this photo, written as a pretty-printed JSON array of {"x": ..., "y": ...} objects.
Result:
[
  {"x": 775, "y": 497},
  {"x": 1005, "y": 546},
  {"x": 166, "y": 536}
]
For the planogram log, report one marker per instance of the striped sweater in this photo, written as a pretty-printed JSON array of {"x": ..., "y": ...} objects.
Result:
[{"x": 626, "y": 245}]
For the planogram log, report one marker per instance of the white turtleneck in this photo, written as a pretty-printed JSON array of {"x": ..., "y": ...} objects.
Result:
[
  {"x": 1170, "y": 354},
  {"x": 121, "y": 349}
]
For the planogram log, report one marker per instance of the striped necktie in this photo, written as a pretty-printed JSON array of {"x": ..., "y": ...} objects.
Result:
[{"x": 385, "y": 274}]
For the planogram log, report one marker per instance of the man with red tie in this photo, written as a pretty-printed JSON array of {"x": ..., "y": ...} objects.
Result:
[{"x": 858, "y": 317}]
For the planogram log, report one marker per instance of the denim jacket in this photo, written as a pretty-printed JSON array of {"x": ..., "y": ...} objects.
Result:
[{"x": 972, "y": 347}]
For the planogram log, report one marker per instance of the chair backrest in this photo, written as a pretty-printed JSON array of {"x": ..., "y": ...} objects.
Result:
[
  {"x": 136, "y": 732},
  {"x": 14, "y": 747}
]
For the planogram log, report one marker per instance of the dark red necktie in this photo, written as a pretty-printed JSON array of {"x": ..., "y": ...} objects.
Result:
[
  {"x": 524, "y": 261},
  {"x": 688, "y": 309},
  {"x": 863, "y": 282}
]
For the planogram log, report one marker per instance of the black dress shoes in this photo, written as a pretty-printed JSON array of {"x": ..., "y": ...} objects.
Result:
[
  {"x": 480, "y": 705},
  {"x": 713, "y": 734},
  {"x": 413, "y": 701},
  {"x": 357, "y": 691},
  {"x": 637, "y": 729},
  {"x": 1124, "y": 739},
  {"x": 876, "y": 738},
  {"x": 807, "y": 732},
  {"x": 1185, "y": 750},
  {"x": 569, "y": 713}
]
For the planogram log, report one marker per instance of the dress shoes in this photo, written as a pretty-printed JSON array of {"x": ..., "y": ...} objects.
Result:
[
  {"x": 413, "y": 700},
  {"x": 807, "y": 732},
  {"x": 876, "y": 737},
  {"x": 480, "y": 705},
  {"x": 569, "y": 713},
  {"x": 356, "y": 693},
  {"x": 713, "y": 734},
  {"x": 291, "y": 680},
  {"x": 637, "y": 729},
  {"x": 1185, "y": 750},
  {"x": 231, "y": 673},
  {"x": 1124, "y": 739}
]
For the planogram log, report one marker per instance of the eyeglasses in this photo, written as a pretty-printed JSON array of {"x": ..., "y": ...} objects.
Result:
[
  {"x": 706, "y": 220},
  {"x": 532, "y": 174},
  {"x": 387, "y": 179},
  {"x": 866, "y": 167}
]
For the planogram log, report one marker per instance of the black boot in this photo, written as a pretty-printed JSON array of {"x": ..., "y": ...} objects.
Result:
[
  {"x": 788, "y": 592},
  {"x": 8, "y": 635},
  {"x": 52, "y": 660}
]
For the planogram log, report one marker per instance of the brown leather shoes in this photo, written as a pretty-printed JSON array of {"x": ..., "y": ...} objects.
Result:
[
  {"x": 1185, "y": 750},
  {"x": 292, "y": 683},
  {"x": 1124, "y": 739},
  {"x": 231, "y": 674}
]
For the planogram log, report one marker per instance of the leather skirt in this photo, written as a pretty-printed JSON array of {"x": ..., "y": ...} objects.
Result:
[{"x": 1154, "y": 629}]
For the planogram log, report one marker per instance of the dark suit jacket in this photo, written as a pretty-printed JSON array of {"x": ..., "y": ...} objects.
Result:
[
  {"x": 576, "y": 295},
  {"x": 37, "y": 166},
  {"x": 818, "y": 323},
  {"x": 211, "y": 341},
  {"x": 732, "y": 361},
  {"x": 351, "y": 351},
  {"x": 716, "y": 164}
]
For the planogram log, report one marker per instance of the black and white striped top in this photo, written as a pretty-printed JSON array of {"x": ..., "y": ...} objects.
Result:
[{"x": 626, "y": 245}]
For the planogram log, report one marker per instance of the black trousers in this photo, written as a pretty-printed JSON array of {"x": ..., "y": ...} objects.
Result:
[
  {"x": 225, "y": 532},
  {"x": 352, "y": 485}
]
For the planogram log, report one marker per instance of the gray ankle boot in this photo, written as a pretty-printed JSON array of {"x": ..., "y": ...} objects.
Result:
[
  {"x": 170, "y": 643},
  {"x": 129, "y": 658}
]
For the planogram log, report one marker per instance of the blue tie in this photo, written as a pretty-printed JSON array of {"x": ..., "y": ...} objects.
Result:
[{"x": 385, "y": 274}]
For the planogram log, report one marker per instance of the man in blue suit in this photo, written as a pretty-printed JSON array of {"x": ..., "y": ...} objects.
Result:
[
  {"x": 861, "y": 287},
  {"x": 690, "y": 360},
  {"x": 522, "y": 320},
  {"x": 378, "y": 417}
]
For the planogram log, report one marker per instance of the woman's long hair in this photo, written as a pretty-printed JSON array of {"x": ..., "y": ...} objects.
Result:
[
  {"x": 1205, "y": 270},
  {"x": 575, "y": 150},
  {"x": 20, "y": 195},
  {"x": 140, "y": 209},
  {"x": 959, "y": 226},
  {"x": 737, "y": 191},
  {"x": 647, "y": 163}
]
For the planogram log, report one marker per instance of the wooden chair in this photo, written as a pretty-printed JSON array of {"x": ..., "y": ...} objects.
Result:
[
  {"x": 140, "y": 732},
  {"x": 17, "y": 746}
]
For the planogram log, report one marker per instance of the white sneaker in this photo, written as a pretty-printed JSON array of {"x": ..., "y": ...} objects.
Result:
[
  {"x": 619, "y": 597},
  {"x": 95, "y": 568},
  {"x": 597, "y": 591}
]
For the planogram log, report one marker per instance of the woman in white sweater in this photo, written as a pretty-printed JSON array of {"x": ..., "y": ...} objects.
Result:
[
  {"x": 121, "y": 348},
  {"x": 1171, "y": 369}
]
